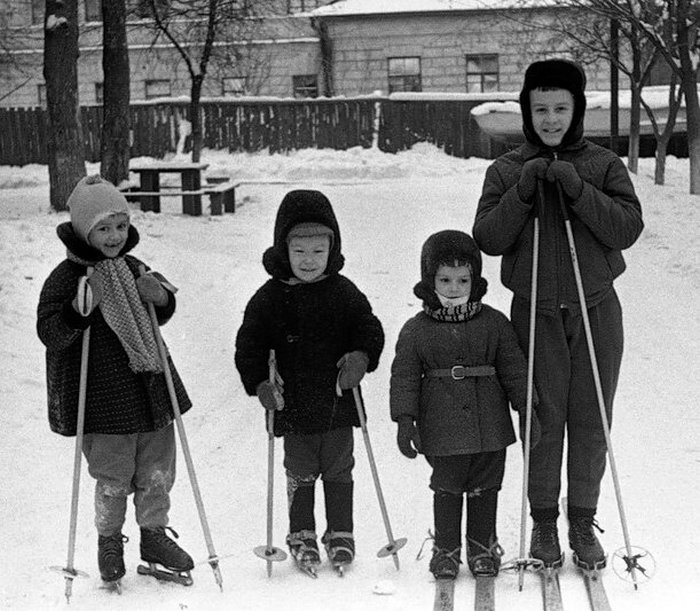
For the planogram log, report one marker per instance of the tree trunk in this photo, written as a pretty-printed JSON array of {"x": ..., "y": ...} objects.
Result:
[
  {"x": 115, "y": 67},
  {"x": 196, "y": 134},
  {"x": 65, "y": 147},
  {"x": 660, "y": 160},
  {"x": 635, "y": 117},
  {"x": 690, "y": 90}
]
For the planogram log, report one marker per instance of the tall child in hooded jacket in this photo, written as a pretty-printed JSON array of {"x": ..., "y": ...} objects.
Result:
[
  {"x": 129, "y": 440},
  {"x": 457, "y": 366},
  {"x": 605, "y": 219},
  {"x": 325, "y": 338}
]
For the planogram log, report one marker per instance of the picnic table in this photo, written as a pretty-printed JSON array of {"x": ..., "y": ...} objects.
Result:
[{"x": 149, "y": 188}]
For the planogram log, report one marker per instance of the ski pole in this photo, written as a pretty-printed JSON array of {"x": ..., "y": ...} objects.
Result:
[
  {"x": 522, "y": 561},
  {"x": 213, "y": 558},
  {"x": 269, "y": 552},
  {"x": 394, "y": 545},
  {"x": 630, "y": 559},
  {"x": 85, "y": 307}
]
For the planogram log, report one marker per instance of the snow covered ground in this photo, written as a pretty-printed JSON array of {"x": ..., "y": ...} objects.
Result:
[{"x": 387, "y": 205}]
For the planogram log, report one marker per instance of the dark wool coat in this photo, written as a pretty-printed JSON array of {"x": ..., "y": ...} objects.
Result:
[
  {"x": 605, "y": 219},
  {"x": 118, "y": 401},
  {"x": 459, "y": 416},
  {"x": 309, "y": 325}
]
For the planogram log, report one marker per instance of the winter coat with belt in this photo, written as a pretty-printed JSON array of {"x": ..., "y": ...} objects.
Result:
[
  {"x": 118, "y": 400},
  {"x": 605, "y": 219},
  {"x": 454, "y": 416}
]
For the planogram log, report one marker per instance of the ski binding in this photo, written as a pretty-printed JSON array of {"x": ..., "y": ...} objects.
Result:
[{"x": 183, "y": 578}]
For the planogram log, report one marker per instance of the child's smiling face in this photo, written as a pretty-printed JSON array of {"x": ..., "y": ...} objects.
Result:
[
  {"x": 308, "y": 256},
  {"x": 453, "y": 282},
  {"x": 552, "y": 111},
  {"x": 110, "y": 234}
]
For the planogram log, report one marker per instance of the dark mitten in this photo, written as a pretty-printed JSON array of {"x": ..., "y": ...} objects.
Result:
[
  {"x": 533, "y": 170},
  {"x": 353, "y": 366},
  {"x": 566, "y": 175},
  {"x": 270, "y": 395},
  {"x": 408, "y": 437}
]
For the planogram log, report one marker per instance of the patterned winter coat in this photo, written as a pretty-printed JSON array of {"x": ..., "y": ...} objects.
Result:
[
  {"x": 309, "y": 325},
  {"x": 118, "y": 401},
  {"x": 457, "y": 416}
]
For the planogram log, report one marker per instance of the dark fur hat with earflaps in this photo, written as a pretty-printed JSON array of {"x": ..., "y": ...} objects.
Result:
[{"x": 445, "y": 248}]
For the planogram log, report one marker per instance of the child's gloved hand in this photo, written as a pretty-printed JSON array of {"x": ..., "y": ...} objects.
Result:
[
  {"x": 270, "y": 395},
  {"x": 533, "y": 170},
  {"x": 566, "y": 175},
  {"x": 89, "y": 295},
  {"x": 535, "y": 428},
  {"x": 151, "y": 290},
  {"x": 408, "y": 437},
  {"x": 353, "y": 366}
]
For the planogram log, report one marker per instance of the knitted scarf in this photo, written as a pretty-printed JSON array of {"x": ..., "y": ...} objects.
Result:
[
  {"x": 458, "y": 313},
  {"x": 125, "y": 313}
]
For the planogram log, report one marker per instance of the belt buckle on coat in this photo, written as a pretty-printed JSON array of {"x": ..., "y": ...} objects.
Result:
[{"x": 458, "y": 372}]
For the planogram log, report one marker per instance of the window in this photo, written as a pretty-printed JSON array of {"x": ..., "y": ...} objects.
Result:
[
  {"x": 38, "y": 7},
  {"x": 232, "y": 86},
  {"x": 142, "y": 9},
  {"x": 41, "y": 94},
  {"x": 404, "y": 74},
  {"x": 660, "y": 74},
  {"x": 482, "y": 73},
  {"x": 305, "y": 85},
  {"x": 159, "y": 88},
  {"x": 93, "y": 10},
  {"x": 99, "y": 93}
]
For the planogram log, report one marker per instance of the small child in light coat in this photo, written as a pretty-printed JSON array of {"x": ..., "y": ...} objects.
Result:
[
  {"x": 457, "y": 366},
  {"x": 129, "y": 442}
]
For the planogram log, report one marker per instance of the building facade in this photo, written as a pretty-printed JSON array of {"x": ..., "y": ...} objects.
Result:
[{"x": 299, "y": 48}]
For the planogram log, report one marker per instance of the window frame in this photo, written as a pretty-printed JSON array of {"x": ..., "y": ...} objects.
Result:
[
  {"x": 482, "y": 74},
  {"x": 151, "y": 82},
  {"x": 299, "y": 91},
  {"x": 233, "y": 92},
  {"x": 93, "y": 11},
  {"x": 404, "y": 75}
]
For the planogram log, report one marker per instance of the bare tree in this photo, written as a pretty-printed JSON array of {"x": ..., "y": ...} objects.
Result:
[
  {"x": 115, "y": 67},
  {"x": 195, "y": 28},
  {"x": 66, "y": 156}
]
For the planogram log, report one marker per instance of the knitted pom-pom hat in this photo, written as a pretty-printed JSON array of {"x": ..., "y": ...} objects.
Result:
[
  {"x": 92, "y": 200},
  {"x": 559, "y": 74}
]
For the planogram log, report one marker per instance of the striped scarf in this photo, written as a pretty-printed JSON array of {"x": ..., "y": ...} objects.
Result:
[
  {"x": 125, "y": 313},
  {"x": 458, "y": 313}
]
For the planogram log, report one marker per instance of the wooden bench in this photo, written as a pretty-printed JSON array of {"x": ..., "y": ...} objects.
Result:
[{"x": 222, "y": 198}]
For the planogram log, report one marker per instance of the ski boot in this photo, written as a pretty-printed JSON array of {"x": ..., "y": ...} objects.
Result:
[
  {"x": 167, "y": 561},
  {"x": 304, "y": 550},
  {"x": 110, "y": 559},
  {"x": 484, "y": 561},
  {"x": 588, "y": 552},
  {"x": 340, "y": 547},
  {"x": 544, "y": 544},
  {"x": 445, "y": 564}
]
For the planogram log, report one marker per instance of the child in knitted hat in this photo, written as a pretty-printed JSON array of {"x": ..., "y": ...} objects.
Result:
[
  {"x": 129, "y": 440},
  {"x": 457, "y": 365},
  {"x": 325, "y": 338},
  {"x": 593, "y": 185}
]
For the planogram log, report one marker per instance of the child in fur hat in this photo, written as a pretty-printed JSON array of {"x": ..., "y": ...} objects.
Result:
[
  {"x": 457, "y": 366},
  {"x": 129, "y": 440},
  {"x": 325, "y": 339},
  {"x": 606, "y": 218}
]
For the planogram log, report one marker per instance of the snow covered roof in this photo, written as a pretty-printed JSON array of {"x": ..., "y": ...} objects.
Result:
[{"x": 378, "y": 7}]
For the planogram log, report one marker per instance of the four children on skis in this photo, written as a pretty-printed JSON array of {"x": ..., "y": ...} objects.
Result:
[{"x": 458, "y": 364}]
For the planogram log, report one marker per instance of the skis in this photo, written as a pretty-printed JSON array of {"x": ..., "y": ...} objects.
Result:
[
  {"x": 551, "y": 593},
  {"x": 112, "y": 586},
  {"x": 308, "y": 567},
  {"x": 485, "y": 593},
  {"x": 183, "y": 578},
  {"x": 596, "y": 591},
  {"x": 444, "y": 595}
]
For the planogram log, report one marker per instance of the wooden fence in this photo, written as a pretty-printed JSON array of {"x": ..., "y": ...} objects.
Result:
[{"x": 279, "y": 126}]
